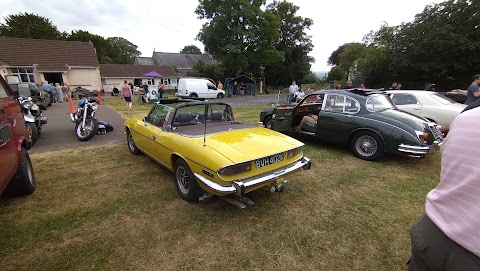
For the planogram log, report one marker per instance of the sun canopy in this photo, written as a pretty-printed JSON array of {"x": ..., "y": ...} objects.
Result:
[{"x": 153, "y": 74}]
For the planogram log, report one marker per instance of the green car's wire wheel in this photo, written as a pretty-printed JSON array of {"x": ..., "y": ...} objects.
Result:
[{"x": 367, "y": 145}]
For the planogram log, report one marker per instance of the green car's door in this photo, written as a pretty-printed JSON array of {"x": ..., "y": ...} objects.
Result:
[
  {"x": 337, "y": 118},
  {"x": 283, "y": 119}
]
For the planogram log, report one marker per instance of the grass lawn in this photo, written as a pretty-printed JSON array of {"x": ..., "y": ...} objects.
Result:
[{"x": 123, "y": 213}]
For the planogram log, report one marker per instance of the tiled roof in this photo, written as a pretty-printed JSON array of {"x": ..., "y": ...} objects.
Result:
[
  {"x": 130, "y": 70},
  {"x": 50, "y": 55},
  {"x": 176, "y": 60},
  {"x": 144, "y": 61}
]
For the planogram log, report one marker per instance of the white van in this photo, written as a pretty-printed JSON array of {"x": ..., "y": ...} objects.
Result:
[{"x": 198, "y": 88}]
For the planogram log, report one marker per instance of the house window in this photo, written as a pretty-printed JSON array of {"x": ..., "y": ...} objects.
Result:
[{"x": 24, "y": 74}]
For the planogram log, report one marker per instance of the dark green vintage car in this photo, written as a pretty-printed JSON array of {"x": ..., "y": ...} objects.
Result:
[{"x": 364, "y": 120}]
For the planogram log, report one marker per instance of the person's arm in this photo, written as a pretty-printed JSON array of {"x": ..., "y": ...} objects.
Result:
[{"x": 476, "y": 94}]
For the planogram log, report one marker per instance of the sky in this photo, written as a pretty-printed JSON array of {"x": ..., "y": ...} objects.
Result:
[{"x": 168, "y": 26}]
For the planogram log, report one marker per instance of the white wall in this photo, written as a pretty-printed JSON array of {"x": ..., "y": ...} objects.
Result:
[{"x": 86, "y": 78}]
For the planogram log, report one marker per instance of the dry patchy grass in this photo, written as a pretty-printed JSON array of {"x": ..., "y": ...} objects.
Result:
[{"x": 123, "y": 213}]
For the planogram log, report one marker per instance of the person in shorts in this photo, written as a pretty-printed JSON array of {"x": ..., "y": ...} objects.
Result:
[{"x": 127, "y": 94}]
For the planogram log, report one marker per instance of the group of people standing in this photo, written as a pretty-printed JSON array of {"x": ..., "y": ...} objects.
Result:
[
  {"x": 238, "y": 89},
  {"x": 57, "y": 93}
]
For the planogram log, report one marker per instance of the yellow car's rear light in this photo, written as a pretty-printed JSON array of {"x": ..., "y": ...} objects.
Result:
[
  {"x": 294, "y": 152},
  {"x": 236, "y": 169}
]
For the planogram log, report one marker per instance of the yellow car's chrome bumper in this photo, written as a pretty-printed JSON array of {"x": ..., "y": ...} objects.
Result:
[{"x": 240, "y": 188}]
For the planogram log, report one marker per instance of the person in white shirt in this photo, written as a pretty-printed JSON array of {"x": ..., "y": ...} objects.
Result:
[
  {"x": 447, "y": 237},
  {"x": 300, "y": 95},
  {"x": 292, "y": 90}
]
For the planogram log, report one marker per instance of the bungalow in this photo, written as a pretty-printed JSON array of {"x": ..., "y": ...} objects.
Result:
[
  {"x": 113, "y": 75},
  {"x": 182, "y": 63},
  {"x": 53, "y": 61}
]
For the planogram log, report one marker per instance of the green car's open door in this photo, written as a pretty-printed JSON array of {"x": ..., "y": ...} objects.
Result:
[{"x": 283, "y": 119}]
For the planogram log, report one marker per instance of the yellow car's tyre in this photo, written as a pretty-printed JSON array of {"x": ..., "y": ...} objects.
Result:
[
  {"x": 131, "y": 144},
  {"x": 187, "y": 186}
]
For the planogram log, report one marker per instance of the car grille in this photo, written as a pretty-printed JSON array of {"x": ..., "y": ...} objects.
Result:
[{"x": 436, "y": 131}]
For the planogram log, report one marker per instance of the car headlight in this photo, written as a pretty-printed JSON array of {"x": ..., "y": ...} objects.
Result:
[
  {"x": 422, "y": 136},
  {"x": 236, "y": 169},
  {"x": 294, "y": 152}
]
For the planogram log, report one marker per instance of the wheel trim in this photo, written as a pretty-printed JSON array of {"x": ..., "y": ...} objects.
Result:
[
  {"x": 182, "y": 180},
  {"x": 131, "y": 144},
  {"x": 366, "y": 145},
  {"x": 85, "y": 131}
]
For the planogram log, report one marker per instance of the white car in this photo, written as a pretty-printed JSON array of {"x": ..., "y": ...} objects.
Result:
[
  {"x": 428, "y": 104},
  {"x": 198, "y": 88}
]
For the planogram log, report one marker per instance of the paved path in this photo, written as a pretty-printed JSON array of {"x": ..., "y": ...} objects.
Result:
[{"x": 59, "y": 132}]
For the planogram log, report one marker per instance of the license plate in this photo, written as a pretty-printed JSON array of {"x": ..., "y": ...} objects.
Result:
[{"x": 266, "y": 161}]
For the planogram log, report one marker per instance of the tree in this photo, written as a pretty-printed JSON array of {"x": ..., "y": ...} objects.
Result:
[
  {"x": 191, "y": 49},
  {"x": 102, "y": 47},
  {"x": 121, "y": 50},
  {"x": 247, "y": 34},
  {"x": 201, "y": 69},
  {"x": 334, "y": 58},
  {"x": 29, "y": 25},
  {"x": 441, "y": 45},
  {"x": 336, "y": 74},
  {"x": 350, "y": 56},
  {"x": 294, "y": 42},
  {"x": 112, "y": 50}
]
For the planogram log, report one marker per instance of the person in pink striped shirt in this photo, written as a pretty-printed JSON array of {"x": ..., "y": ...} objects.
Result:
[{"x": 447, "y": 237}]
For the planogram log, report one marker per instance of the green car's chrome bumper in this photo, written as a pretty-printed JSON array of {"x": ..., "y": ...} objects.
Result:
[
  {"x": 419, "y": 151},
  {"x": 240, "y": 188}
]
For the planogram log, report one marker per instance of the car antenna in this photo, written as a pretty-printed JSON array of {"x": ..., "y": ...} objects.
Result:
[
  {"x": 205, "y": 129},
  {"x": 278, "y": 98}
]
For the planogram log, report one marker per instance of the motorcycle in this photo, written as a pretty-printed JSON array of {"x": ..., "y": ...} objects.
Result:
[
  {"x": 33, "y": 116},
  {"x": 86, "y": 126}
]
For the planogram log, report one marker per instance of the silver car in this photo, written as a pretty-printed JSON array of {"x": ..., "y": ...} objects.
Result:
[{"x": 428, "y": 104}]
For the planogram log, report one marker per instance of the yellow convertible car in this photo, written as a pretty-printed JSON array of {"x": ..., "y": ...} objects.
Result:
[{"x": 212, "y": 154}]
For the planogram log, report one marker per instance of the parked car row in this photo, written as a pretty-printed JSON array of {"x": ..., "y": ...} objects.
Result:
[{"x": 212, "y": 154}]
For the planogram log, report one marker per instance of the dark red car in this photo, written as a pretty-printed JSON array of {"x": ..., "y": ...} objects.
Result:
[{"x": 16, "y": 171}]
